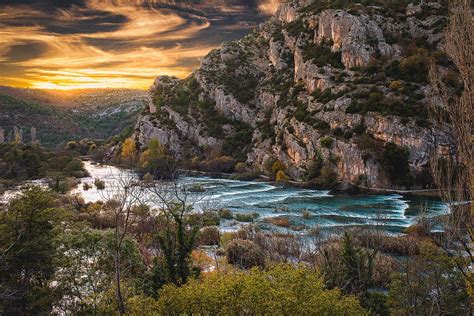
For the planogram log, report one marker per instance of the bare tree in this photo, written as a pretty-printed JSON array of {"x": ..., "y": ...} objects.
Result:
[
  {"x": 120, "y": 196},
  {"x": 452, "y": 111}
]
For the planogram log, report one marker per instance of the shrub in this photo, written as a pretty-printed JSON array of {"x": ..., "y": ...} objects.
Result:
[
  {"x": 395, "y": 164},
  {"x": 314, "y": 168},
  {"x": 268, "y": 165},
  {"x": 306, "y": 214},
  {"x": 223, "y": 164},
  {"x": 86, "y": 186},
  {"x": 278, "y": 166},
  {"x": 241, "y": 167},
  {"x": 245, "y": 254},
  {"x": 280, "y": 290},
  {"x": 281, "y": 177},
  {"x": 359, "y": 129},
  {"x": 225, "y": 213},
  {"x": 323, "y": 96},
  {"x": 278, "y": 221},
  {"x": 247, "y": 217},
  {"x": 396, "y": 85},
  {"x": 209, "y": 236},
  {"x": 99, "y": 184},
  {"x": 226, "y": 237},
  {"x": 237, "y": 145},
  {"x": 326, "y": 141},
  {"x": 206, "y": 218},
  {"x": 328, "y": 177},
  {"x": 322, "y": 55}
]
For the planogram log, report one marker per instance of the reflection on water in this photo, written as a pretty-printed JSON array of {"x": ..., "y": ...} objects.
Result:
[{"x": 391, "y": 212}]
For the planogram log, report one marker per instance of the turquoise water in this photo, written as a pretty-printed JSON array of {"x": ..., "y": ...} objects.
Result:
[
  {"x": 330, "y": 211},
  {"x": 391, "y": 213}
]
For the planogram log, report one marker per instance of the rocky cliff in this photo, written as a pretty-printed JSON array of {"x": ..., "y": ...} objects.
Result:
[{"x": 328, "y": 89}]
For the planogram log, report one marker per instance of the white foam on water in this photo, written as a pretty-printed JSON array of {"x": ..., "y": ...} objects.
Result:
[{"x": 273, "y": 201}]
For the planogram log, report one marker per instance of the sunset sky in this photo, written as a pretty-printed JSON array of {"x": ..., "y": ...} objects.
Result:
[{"x": 121, "y": 44}]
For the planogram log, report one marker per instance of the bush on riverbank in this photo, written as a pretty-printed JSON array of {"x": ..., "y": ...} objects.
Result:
[{"x": 282, "y": 289}]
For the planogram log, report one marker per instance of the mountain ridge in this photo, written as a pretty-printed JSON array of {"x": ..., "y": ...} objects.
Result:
[{"x": 331, "y": 92}]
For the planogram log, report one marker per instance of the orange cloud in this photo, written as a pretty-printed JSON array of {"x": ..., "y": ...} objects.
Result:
[{"x": 135, "y": 42}]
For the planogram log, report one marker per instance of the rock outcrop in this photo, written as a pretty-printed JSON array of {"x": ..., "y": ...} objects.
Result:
[{"x": 344, "y": 87}]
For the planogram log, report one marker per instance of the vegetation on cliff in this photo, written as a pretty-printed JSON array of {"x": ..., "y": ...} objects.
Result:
[{"x": 314, "y": 83}]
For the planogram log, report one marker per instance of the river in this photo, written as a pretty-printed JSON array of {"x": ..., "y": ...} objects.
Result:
[{"x": 303, "y": 208}]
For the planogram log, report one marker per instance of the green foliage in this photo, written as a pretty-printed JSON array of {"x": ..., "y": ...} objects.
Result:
[
  {"x": 27, "y": 245},
  {"x": 326, "y": 141},
  {"x": 240, "y": 84},
  {"x": 278, "y": 166},
  {"x": 395, "y": 163},
  {"x": 314, "y": 168},
  {"x": 57, "y": 124},
  {"x": 376, "y": 102},
  {"x": 324, "y": 96},
  {"x": 156, "y": 161},
  {"x": 25, "y": 162},
  {"x": 413, "y": 68},
  {"x": 302, "y": 114},
  {"x": 246, "y": 217},
  {"x": 352, "y": 271},
  {"x": 430, "y": 284},
  {"x": 99, "y": 184},
  {"x": 238, "y": 144},
  {"x": 393, "y": 159},
  {"x": 281, "y": 290},
  {"x": 179, "y": 96},
  {"x": 87, "y": 267},
  {"x": 327, "y": 177},
  {"x": 391, "y": 7},
  {"x": 225, "y": 213},
  {"x": 322, "y": 55},
  {"x": 177, "y": 238},
  {"x": 296, "y": 27}
]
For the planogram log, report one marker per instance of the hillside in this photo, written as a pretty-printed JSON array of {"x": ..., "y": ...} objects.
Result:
[
  {"x": 334, "y": 92},
  {"x": 60, "y": 116}
]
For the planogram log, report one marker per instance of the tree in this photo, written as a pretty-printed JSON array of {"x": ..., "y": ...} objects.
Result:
[
  {"x": 121, "y": 196},
  {"x": 27, "y": 252},
  {"x": 156, "y": 161},
  {"x": 178, "y": 226},
  {"x": 429, "y": 284},
  {"x": 452, "y": 111},
  {"x": 128, "y": 154},
  {"x": 86, "y": 271}
]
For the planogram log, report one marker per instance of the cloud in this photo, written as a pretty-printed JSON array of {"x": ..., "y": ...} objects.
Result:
[
  {"x": 87, "y": 44},
  {"x": 269, "y": 7}
]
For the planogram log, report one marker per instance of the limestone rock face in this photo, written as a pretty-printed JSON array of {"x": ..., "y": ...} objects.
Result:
[
  {"x": 270, "y": 96},
  {"x": 357, "y": 37}
]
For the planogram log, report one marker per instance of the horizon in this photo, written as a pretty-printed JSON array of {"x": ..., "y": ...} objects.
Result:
[{"x": 75, "y": 45}]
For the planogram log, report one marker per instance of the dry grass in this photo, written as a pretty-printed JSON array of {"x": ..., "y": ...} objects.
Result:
[{"x": 279, "y": 221}]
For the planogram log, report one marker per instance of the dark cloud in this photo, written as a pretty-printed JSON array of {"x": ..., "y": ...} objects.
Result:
[{"x": 25, "y": 51}]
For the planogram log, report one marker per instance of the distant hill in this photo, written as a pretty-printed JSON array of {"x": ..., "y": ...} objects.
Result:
[{"x": 60, "y": 116}]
